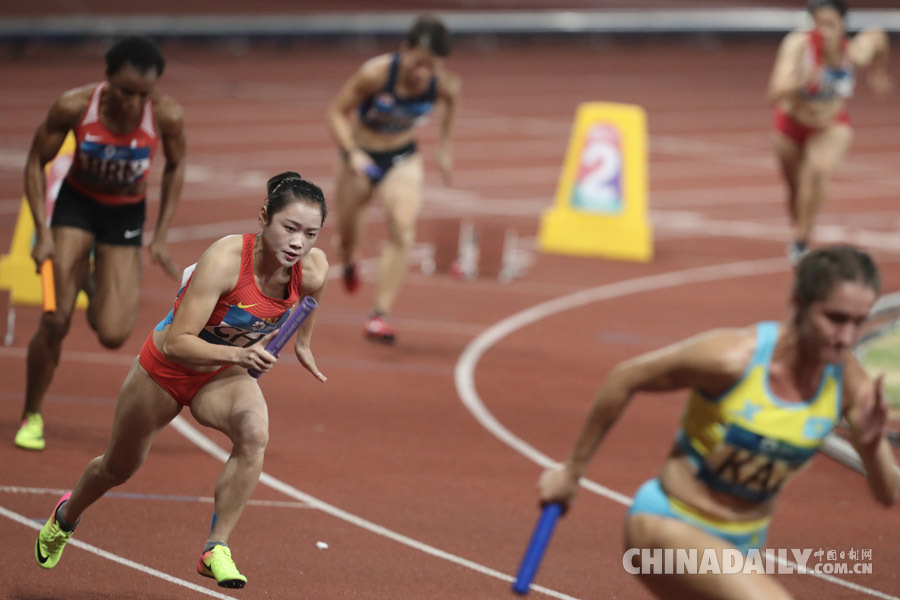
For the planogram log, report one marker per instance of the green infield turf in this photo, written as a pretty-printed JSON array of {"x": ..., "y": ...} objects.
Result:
[{"x": 882, "y": 355}]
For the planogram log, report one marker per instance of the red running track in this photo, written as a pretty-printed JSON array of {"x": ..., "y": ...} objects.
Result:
[{"x": 388, "y": 439}]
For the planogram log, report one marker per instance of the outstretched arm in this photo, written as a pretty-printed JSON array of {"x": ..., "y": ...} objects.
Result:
[
  {"x": 869, "y": 50},
  {"x": 866, "y": 412},
  {"x": 319, "y": 275},
  {"x": 710, "y": 362}
]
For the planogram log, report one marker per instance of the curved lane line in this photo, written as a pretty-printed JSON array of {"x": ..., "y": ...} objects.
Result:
[{"x": 204, "y": 443}]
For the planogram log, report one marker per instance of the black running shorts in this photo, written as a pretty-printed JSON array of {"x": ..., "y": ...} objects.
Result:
[{"x": 122, "y": 225}]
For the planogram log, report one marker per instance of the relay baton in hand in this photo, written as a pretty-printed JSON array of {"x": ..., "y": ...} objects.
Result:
[
  {"x": 48, "y": 286},
  {"x": 287, "y": 331},
  {"x": 535, "y": 551},
  {"x": 374, "y": 172}
]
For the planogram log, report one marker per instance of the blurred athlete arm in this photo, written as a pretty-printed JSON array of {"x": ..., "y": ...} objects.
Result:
[
  {"x": 216, "y": 274},
  {"x": 62, "y": 117},
  {"x": 363, "y": 84},
  {"x": 710, "y": 362},
  {"x": 318, "y": 278},
  {"x": 450, "y": 93},
  {"x": 787, "y": 78},
  {"x": 866, "y": 412},
  {"x": 869, "y": 49},
  {"x": 170, "y": 118}
]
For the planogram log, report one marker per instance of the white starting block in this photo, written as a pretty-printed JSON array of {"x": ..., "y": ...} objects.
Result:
[{"x": 468, "y": 251}]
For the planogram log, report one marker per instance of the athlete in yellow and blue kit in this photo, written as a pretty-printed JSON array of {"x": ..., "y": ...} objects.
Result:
[{"x": 762, "y": 400}]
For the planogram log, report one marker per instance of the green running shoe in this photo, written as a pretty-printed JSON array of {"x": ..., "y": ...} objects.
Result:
[
  {"x": 31, "y": 432},
  {"x": 52, "y": 539},
  {"x": 218, "y": 564}
]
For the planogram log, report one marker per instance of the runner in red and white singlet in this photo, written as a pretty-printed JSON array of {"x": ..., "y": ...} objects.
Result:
[
  {"x": 95, "y": 232},
  {"x": 813, "y": 76}
]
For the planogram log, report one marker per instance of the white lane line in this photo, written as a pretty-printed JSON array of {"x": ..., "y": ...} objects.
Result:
[
  {"x": 207, "y": 445},
  {"x": 468, "y": 360},
  {"x": 204, "y": 443},
  {"x": 679, "y": 221},
  {"x": 14, "y": 516},
  {"x": 465, "y": 367}
]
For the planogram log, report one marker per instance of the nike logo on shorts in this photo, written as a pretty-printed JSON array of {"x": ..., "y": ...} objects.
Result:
[
  {"x": 132, "y": 233},
  {"x": 92, "y": 138},
  {"x": 401, "y": 157},
  {"x": 242, "y": 305}
]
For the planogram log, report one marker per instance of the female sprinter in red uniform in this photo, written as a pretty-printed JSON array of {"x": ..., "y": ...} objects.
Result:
[
  {"x": 101, "y": 206},
  {"x": 762, "y": 399},
  {"x": 811, "y": 81},
  {"x": 239, "y": 293},
  {"x": 387, "y": 97}
]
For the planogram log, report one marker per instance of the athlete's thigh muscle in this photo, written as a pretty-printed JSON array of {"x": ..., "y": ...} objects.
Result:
[
  {"x": 230, "y": 402},
  {"x": 142, "y": 410},
  {"x": 117, "y": 273},
  {"x": 401, "y": 190},
  {"x": 351, "y": 190},
  {"x": 826, "y": 149},
  {"x": 71, "y": 261},
  {"x": 656, "y": 532}
]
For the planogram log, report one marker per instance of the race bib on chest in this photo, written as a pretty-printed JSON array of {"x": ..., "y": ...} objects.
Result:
[
  {"x": 751, "y": 466},
  {"x": 118, "y": 165},
  {"x": 241, "y": 328}
]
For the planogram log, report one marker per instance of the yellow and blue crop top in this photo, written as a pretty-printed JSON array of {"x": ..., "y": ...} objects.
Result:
[{"x": 748, "y": 442}]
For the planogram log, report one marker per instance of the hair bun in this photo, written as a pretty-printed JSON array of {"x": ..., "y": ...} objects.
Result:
[{"x": 277, "y": 180}]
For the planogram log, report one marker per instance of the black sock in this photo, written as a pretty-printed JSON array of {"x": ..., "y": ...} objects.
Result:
[
  {"x": 210, "y": 544},
  {"x": 63, "y": 524}
]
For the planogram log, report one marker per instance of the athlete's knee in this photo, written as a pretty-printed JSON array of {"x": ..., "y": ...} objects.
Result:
[
  {"x": 55, "y": 325},
  {"x": 819, "y": 171},
  {"x": 252, "y": 436},
  {"x": 112, "y": 339},
  {"x": 403, "y": 235}
]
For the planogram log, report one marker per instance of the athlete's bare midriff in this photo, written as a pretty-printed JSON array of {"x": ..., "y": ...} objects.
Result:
[
  {"x": 817, "y": 114},
  {"x": 678, "y": 477},
  {"x": 379, "y": 141}
]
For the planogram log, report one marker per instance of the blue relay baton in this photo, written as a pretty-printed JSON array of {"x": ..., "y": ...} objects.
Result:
[
  {"x": 535, "y": 551},
  {"x": 375, "y": 173},
  {"x": 287, "y": 331}
]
